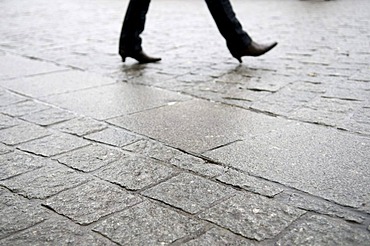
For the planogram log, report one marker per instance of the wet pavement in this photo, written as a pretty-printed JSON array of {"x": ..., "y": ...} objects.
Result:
[{"x": 197, "y": 149}]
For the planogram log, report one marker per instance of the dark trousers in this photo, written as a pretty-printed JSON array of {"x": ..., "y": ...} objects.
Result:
[{"x": 221, "y": 11}]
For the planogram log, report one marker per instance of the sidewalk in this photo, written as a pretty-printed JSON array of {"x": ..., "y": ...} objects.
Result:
[{"x": 197, "y": 149}]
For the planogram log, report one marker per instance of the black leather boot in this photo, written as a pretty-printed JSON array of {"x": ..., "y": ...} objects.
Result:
[
  {"x": 140, "y": 56},
  {"x": 253, "y": 49}
]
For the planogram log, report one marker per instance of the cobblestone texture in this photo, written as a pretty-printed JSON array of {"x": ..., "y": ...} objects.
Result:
[
  {"x": 149, "y": 224},
  {"x": 24, "y": 108},
  {"x": 316, "y": 230},
  {"x": 22, "y": 133},
  {"x": 252, "y": 216},
  {"x": 114, "y": 136},
  {"x": 90, "y": 158},
  {"x": 49, "y": 117},
  {"x": 7, "y": 121},
  {"x": 220, "y": 237},
  {"x": 94, "y": 151},
  {"x": 15, "y": 163},
  {"x": 180, "y": 159},
  {"x": 14, "y": 219},
  {"x": 45, "y": 182},
  {"x": 89, "y": 202},
  {"x": 135, "y": 173},
  {"x": 55, "y": 232},
  {"x": 250, "y": 183},
  {"x": 80, "y": 126},
  {"x": 189, "y": 193},
  {"x": 53, "y": 145}
]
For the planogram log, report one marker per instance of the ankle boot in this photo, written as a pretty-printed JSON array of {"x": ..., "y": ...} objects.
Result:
[
  {"x": 254, "y": 49},
  {"x": 139, "y": 56}
]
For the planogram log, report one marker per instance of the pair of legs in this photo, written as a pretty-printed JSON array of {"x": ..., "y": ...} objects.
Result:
[{"x": 237, "y": 40}]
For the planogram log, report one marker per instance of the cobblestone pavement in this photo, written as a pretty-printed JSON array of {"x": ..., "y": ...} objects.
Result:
[{"x": 197, "y": 149}]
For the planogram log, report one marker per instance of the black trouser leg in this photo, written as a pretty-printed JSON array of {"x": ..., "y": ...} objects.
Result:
[
  {"x": 133, "y": 26},
  {"x": 228, "y": 25}
]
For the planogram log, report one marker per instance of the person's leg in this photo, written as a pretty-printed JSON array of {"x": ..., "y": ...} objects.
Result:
[
  {"x": 133, "y": 25},
  {"x": 228, "y": 25},
  {"x": 238, "y": 41}
]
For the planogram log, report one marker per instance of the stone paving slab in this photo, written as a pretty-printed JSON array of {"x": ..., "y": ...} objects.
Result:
[
  {"x": 17, "y": 213},
  {"x": 89, "y": 202},
  {"x": 4, "y": 149},
  {"x": 219, "y": 237},
  {"x": 53, "y": 145},
  {"x": 56, "y": 83},
  {"x": 189, "y": 192},
  {"x": 321, "y": 206},
  {"x": 216, "y": 124},
  {"x": 175, "y": 157},
  {"x": 114, "y": 136},
  {"x": 114, "y": 100},
  {"x": 80, "y": 126},
  {"x": 45, "y": 182},
  {"x": 7, "y": 121},
  {"x": 56, "y": 232},
  {"x": 25, "y": 66},
  {"x": 90, "y": 158},
  {"x": 24, "y": 108},
  {"x": 251, "y": 183},
  {"x": 147, "y": 224},
  {"x": 318, "y": 160},
  {"x": 7, "y": 98},
  {"x": 16, "y": 162},
  {"x": 252, "y": 216},
  {"x": 49, "y": 116},
  {"x": 318, "y": 230},
  {"x": 22, "y": 133},
  {"x": 135, "y": 173}
]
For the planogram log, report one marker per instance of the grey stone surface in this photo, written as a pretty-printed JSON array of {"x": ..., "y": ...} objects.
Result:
[
  {"x": 91, "y": 201},
  {"x": 189, "y": 192},
  {"x": 49, "y": 116},
  {"x": 152, "y": 149},
  {"x": 318, "y": 205},
  {"x": 319, "y": 230},
  {"x": 54, "y": 144},
  {"x": 114, "y": 136},
  {"x": 24, "y": 67},
  {"x": 115, "y": 100},
  {"x": 7, "y": 121},
  {"x": 180, "y": 159},
  {"x": 24, "y": 108},
  {"x": 17, "y": 213},
  {"x": 252, "y": 216},
  {"x": 147, "y": 224},
  {"x": 319, "y": 74},
  {"x": 135, "y": 173},
  {"x": 318, "y": 160},
  {"x": 16, "y": 163},
  {"x": 80, "y": 126},
  {"x": 250, "y": 183},
  {"x": 220, "y": 237},
  {"x": 22, "y": 133},
  {"x": 7, "y": 98},
  {"x": 44, "y": 182},
  {"x": 56, "y": 232},
  {"x": 4, "y": 149},
  {"x": 56, "y": 83},
  {"x": 90, "y": 158},
  {"x": 195, "y": 125},
  {"x": 197, "y": 165}
]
